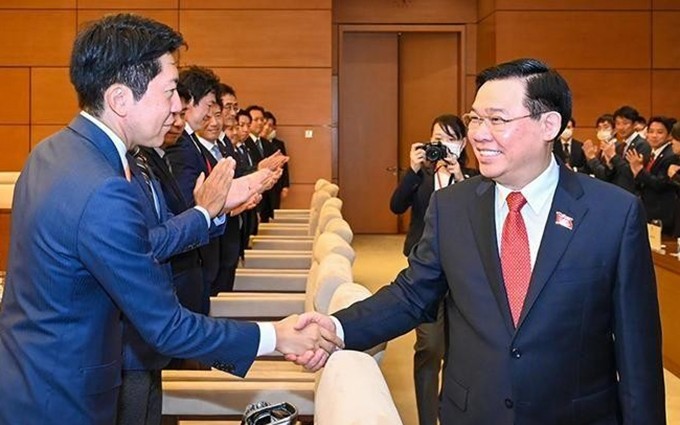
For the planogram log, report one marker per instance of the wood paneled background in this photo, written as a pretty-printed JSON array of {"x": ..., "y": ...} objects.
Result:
[{"x": 280, "y": 53}]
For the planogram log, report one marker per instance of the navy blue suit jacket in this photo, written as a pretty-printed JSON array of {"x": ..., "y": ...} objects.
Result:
[
  {"x": 80, "y": 258},
  {"x": 587, "y": 348}
]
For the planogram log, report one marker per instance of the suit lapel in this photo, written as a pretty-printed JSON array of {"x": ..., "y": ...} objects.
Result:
[
  {"x": 99, "y": 139},
  {"x": 556, "y": 237},
  {"x": 482, "y": 217}
]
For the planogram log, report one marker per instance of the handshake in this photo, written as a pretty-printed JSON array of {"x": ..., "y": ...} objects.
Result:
[{"x": 307, "y": 339}]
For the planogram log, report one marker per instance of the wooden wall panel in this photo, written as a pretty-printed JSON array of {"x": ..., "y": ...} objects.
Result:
[
  {"x": 255, "y": 4},
  {"x": 299, "y": 196},
  {"x": 411, "y": 12},
  {"x": 603, "y": 5},
  {"x": 168, "y": 17},
  {"x": 554, "y": 37},
  {"x": 15, "y": 84},
  {"x": 486, "y": 42},
  {"x": 53, "y": 99},
  {"x": 239, "y": 38},
  {"x": 309, "y": 158},
  {"x": 470, "y": 49},
  {"x": 36, "y": 38},
  {"x": 666, "y": 4},
  {"x": 295, "y": 96},
  {"x": 14, "y": 146},
  {"x": 41, "y": 132},
  {"x": 597, "y": 92},
  {"x": 485, "y": 8},
  {"x": 38, "y": 4},
  {"x": 127, "y": 4},
  {"x": 666, "y": 39},
  {"x": 665, "y": 99}
]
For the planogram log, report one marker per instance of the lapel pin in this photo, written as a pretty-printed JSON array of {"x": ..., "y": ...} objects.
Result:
[{"x": 561, "y": 219}]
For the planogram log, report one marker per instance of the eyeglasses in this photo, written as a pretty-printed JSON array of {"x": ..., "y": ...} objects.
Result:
[{"x": 473, "y": 121}]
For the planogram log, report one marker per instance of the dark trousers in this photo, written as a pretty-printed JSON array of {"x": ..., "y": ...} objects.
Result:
[
  {"x": 427, "y": 362},
  {"x": 140, "y": 399}
]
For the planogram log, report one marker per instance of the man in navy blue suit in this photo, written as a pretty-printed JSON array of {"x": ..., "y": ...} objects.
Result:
[
  {"x": 81, "y": 256},
  {"x": 546, "y": 275}
]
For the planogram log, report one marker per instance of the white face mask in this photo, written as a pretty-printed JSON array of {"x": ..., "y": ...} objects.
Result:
[
  {"x": 454, "y": 147},
  {"x": 566, "y": 134},
  {"x": 604, "y": 135},
  {"x": 272, "y": 135}
]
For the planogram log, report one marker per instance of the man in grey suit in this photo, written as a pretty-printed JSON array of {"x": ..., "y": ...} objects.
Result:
[{"x": 547, "y": 323}]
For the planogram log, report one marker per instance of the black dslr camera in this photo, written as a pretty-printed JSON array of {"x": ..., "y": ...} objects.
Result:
[
  {"x": 263, "y": 413},
  {"x": 434, "y": 151}
]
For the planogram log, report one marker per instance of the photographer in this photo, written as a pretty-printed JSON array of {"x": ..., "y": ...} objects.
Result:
[{"x": 446, "y": 166}]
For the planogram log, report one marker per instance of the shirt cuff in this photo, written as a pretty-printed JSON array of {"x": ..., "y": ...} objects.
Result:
[
  {"x": 217, "y": 221},
  {"x": 339, "y": 331},
  {"x": 267, "y": 339}
]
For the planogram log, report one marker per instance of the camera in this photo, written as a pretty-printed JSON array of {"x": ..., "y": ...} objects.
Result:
[
  {"x": 434, "y": 151},
  {"x": 263, "y": 413}
]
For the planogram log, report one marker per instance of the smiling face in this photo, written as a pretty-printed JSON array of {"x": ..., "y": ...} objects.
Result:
[
  {"x": 513, "y": 153},
  {"x": 151, "y": 117},
  {"x": 657, "y": 135},
  {"x": 212, "y": 124}
]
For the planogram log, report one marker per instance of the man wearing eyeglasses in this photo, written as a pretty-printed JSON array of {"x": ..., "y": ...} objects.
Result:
[{"x": 547, "y": 325}]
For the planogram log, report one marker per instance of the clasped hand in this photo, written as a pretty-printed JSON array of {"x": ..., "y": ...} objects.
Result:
[{"x": 307, "y": 340}]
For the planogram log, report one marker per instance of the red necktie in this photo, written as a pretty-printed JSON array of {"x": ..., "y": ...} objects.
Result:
[
  {"x": 515, "y": 257},
  {"x": 650, "y": 164}
]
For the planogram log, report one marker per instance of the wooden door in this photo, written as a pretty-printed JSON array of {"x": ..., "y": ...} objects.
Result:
[
  {"x": 368, "y": 129},
  {"x": 429, "y": 86}
]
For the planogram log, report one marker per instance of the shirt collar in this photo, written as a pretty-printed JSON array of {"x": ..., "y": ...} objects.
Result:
[
  {"x": 660, "y": 149},
  {"x": 188, "y": 129},
  {"x": 254, "y": 137},
  {"x": 206, "y": 144},
  {"x": 160, "y": 152},
  {"x": 631, "y": 138},
  {"x": 537, "y": 192},
  {"x": 117, "y": 141}
]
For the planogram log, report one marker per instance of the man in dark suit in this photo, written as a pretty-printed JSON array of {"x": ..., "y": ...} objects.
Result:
[
  {"x": 612, "y": 165},
  {"x": 546, "y": 324},
  {"x": 281, "y": 188},
  {"x": 259, "y": 148},
  {"x": 570, "y": 150},
  {"x": 81, "y": 255}
]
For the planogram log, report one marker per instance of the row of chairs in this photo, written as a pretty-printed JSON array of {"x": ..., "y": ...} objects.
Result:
[{"x": 351, "y": 388}]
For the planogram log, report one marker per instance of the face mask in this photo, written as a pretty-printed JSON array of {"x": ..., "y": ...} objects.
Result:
[
  {"x": 272, "y": 135},
  {"x": 604, "y": 135},
  {"x": 566, "y": 134},
  {"x": 454, "y": 147}
]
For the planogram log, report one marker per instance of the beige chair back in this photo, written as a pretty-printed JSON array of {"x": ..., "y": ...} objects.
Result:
[
  {"x": 331, "y": 189},
  {"x": 9, "y": 177},
  {"x": 320, "y": 183},
  {"x": 341, "y": 228},
  {"x": 333, "y": 271},
  {"x": 329, "y": 243}
]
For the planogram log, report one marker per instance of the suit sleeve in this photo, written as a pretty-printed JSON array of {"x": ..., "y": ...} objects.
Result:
[
  {"x": 114, "y": 246},
  {"x": 637, "y": 328},
  {"x": 402, "y": 197},
  {"x": 599, "y": 170},
  {"x": 179, "y": 234},
  {"x": 186, "y": 167},
  {"x": 657, "y": 181},
  {"x": 411, "y": 299}
]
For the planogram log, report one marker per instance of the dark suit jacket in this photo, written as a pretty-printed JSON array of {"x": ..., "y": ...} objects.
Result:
[
  {"x": 576, "y": 159},
  {"x": 265, "y": 207},
  {"x": 284, "y": 181},
  {"x": 189, "y": 159},
  {"x": 80, "y": 258},
  {"x": 618, "y": 172},
  {"x": 586, "y": 318},
  {"x": 187, "y": 274},
  {"x": 656, "y": 190},
  {"x": 414, "y": 192}
]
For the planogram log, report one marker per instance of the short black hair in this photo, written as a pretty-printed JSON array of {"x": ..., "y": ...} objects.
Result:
[
  {"x": 183, "y": 93},
  {"x": 572, "y": 121},
  {"x": 199, "y": 82},
  {"x": 251, "y": 108},
  {"x": 118, "y": 49},
  {"x": 667, "y": 122},
  {"x": 546, "y": 90},
  {"x": 244, "y": 114},
  {"x": 609, "y": 118},
  {"x": 454, "y": 127},
  {"x": 269, "y": 115},
  {"x": 627, "y": 112},
  {"x": 224, "y": 89}
]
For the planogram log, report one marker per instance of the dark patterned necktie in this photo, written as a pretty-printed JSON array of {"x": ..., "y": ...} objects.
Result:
[{"x": 147, "y": 174}]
